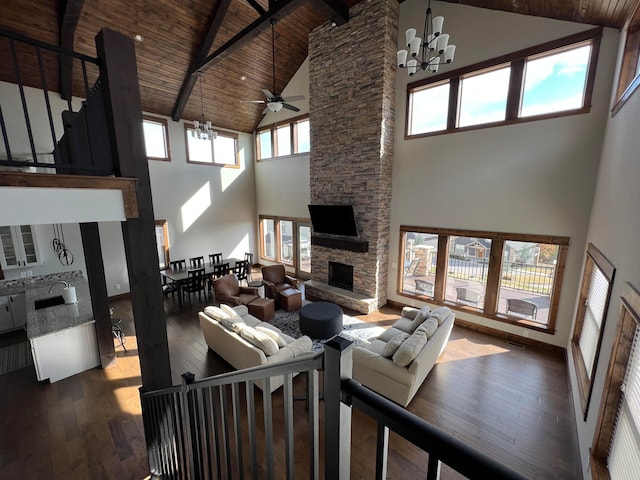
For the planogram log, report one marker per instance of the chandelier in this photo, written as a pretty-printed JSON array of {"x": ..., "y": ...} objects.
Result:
[
  {"x": 429, "y": 51},
  {"x": 201, "y": 129}
]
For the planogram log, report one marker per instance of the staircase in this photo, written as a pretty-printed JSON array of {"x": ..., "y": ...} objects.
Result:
[{"x": 224, "y": 427}]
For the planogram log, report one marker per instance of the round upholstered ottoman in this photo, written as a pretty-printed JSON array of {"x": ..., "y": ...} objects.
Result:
[{"x": 321, "y": 319}]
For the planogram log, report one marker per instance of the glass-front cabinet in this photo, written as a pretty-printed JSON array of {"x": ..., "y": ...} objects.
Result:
[{"x": 18, "y": 247}]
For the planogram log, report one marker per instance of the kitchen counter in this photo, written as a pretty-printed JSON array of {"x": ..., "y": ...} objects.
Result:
[
  {"x": 56, "y": 318},
  {"x": 63, "y": 337}
]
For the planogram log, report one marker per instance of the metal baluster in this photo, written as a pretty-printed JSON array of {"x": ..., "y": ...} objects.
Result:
[
  {"x": 23, "y": 99},
  {"x": 45, "y": 91},
  {"x": 5, "y": 137}
]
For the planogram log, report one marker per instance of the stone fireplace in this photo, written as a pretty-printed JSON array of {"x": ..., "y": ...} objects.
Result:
[{"x": 352, "y": 76}]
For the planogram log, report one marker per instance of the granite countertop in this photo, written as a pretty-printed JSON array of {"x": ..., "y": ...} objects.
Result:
[{"x": 56, "y": 318}]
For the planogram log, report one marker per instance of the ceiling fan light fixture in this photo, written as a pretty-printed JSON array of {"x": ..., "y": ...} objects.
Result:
[{"x": 274, "y": 106}]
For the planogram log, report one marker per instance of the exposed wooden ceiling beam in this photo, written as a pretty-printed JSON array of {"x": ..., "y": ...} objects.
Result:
[
  {"x": 69, "y": 15},
  {"x": 190, "y": 80},
  {"x": 336, "y": 11},
  {"x": 256, "y": 6}
]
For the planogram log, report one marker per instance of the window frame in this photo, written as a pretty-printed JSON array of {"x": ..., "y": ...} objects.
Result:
[
  {"x": 489, "y": 309},
  {"x": 629, "y": 76},
  {"x": 628, "y": 322},
  {"x": 278, "y": 238},
  {"x": 220, "y": 133},
  {"x": 166, "y": 247},
  {"x": 517, "y": 61},
  {"x": 293, "y": 138},
  {"x": 585, "y": 382},
  {"x": 165, "y": 127}
]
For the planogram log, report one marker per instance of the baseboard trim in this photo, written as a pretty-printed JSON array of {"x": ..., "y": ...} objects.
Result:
[{"x": 120, "y": 296}]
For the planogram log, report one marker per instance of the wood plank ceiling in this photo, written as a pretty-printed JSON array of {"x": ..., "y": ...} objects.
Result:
[{"x": 173, "y": 32}]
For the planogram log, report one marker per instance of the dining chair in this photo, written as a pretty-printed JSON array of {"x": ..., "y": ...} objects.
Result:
[
  {"x": 219, "y": 270},
  {"x": 178, "y": 264},
  {"x": 169, "y": 287},
  {"x": 196, "y": 262},
  {"x": 248, "y": 256},
  {"x": 241, "y": 269},
  {"x": 215, "y": 258},
  {"x": 196, "y": 282}
]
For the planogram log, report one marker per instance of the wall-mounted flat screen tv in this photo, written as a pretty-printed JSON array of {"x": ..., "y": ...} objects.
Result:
[{"x": 333, "y": 220}]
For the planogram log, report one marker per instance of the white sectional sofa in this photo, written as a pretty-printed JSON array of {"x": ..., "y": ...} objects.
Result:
[
  {"x": 396, "y": 362},
  {"x": 242, "y": 347}
]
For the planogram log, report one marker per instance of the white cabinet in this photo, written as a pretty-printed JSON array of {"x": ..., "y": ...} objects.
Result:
[
  {"x": 13, "y": 311},
  {"x": 64, "y": 353},
  {"x": 6, "y": 319},
  {"x": 18, "y": 247}
]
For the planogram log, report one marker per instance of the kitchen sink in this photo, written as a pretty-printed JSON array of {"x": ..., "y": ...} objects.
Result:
[{"x": 48, "y": 302}]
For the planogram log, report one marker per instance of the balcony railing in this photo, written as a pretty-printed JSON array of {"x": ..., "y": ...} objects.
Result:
[
  {"x": 41, "y": 132},
  {"x": 221, "y": 428}
]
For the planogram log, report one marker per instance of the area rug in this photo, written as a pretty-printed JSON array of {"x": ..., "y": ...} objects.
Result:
[
  {"x": 352, "y": 328},
  {"x": 15, "y": 357}
]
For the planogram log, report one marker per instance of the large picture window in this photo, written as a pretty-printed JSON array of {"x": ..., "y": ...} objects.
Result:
[
  {"x": 221, "y": 151},
  {"x": 287, "y": 138},
  {"x": 593, "y": 303},
  {"x": 548, "y": 80},
  {"x": 287, "y": 241},
  {"x": 514, "y": 278}
]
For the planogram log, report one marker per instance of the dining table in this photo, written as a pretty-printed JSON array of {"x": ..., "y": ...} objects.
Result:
[{"x": 180, "y": 277}]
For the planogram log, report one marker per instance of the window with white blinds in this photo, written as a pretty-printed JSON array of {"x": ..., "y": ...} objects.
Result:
[
  {"x": 624, "y": 456},
  {"x": 595, "y": 304}
]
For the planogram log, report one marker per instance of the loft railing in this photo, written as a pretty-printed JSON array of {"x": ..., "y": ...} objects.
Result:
[
  {"x": 41, "y": 132},
  {"x": 220, "y": 427}
]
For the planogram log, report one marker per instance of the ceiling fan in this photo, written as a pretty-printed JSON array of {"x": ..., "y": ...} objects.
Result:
[{"x": 275, "y": 101}]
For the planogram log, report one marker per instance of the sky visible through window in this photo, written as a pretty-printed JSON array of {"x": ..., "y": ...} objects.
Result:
[
  {"x": 552, "y": 83},
  {"x": 556, "y": 82}
]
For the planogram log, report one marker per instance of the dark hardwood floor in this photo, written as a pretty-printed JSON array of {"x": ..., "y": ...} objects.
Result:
[{"x": 511, "y": 403}]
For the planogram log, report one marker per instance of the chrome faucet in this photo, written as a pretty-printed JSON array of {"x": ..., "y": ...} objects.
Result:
[{"x": 66, "y": 285}]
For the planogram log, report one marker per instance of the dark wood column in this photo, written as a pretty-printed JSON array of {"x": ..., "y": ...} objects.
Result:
[
  {"x": 119, "y": 76},
  {"x": 98, "y": 288}
]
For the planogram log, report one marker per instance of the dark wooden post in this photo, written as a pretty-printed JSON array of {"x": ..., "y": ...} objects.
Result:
[
  {"x": 119, "y": 76},
  {"x": 98, "y": 288},
  {"x": 338, "y": 365}
]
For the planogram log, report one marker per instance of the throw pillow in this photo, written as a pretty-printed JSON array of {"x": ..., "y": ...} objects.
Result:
[
  {"x": 419, "y": 318},
  {"x": 229, "y": 310},
  {"x": 393, "y": 345},
  {"x": 300, "y": 346},
  {"x": 215, "y": 312},
  {"x": 441, "y": 314},
  {"x": 273, "y": 334},
  {"x": 430, "y": 325},
  {"x": 411, "y": 347},
  {"x": 259, "y": 339}
]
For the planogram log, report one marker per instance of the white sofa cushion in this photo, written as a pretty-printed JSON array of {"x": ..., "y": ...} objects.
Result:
[
  {"x": 271, "y": 332},
  {"x": 411, "y": 347},
  {"x": 441, "y": 314},
  {"x": 257, "y": 338},
  {"x": 215, "y": 312},
  {"x": 392, "y": 345},
  {"x": 430, "y": 325}
]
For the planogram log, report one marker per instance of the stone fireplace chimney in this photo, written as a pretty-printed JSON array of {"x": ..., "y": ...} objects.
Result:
[{"x": 352, "y": 77}]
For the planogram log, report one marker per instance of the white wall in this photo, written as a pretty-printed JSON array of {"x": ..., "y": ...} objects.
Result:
[
  {"x": 613, "y": 228},
  {"x": 282, "y": 184},
  {"x": 535, "y": 177}
]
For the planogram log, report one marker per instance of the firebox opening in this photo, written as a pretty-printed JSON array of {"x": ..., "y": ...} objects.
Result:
[{"x": 341, "y": 275}]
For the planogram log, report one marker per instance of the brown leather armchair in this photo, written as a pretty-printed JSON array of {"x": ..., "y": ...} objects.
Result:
[
  {"x": 229, "y": 291},
  {"x": 275, "y": 280}
]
